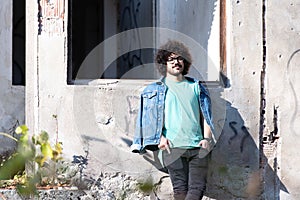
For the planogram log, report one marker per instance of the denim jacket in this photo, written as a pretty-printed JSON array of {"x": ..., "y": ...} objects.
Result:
[{"x": 150, "y": 118}]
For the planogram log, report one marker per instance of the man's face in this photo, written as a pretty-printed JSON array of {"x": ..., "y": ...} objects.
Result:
[{"x": 175, "y": 65}]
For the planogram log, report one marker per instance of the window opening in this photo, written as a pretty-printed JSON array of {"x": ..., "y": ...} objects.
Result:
[
  {"x": 18, "y": 41},
  {"x": 91, "y": 22},
  {"x": 85, "y": 33}
]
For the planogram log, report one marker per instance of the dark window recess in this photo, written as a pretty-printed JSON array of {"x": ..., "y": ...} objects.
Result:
[
  {"x": 129, "y": 61},
  {"x": 18, "y": 50},
  {"x": 85, "y": 32}
]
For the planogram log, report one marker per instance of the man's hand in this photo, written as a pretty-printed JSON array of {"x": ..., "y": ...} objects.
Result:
[
  {"x": 164, "y": 144},
  {"x": 205, "y": 143}
]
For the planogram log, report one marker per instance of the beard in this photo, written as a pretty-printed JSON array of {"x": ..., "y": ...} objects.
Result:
[{"x": 175, "y": 70}]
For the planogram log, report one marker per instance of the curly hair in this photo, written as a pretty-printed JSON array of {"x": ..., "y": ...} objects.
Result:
[{"x": 176, "y": 47}]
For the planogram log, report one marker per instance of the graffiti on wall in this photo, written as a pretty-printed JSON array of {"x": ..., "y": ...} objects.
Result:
[
  {"x": 294, "y": 88},
  {"x": 51, "y": 17},
  {"x": 235, "y": 131},
  {"x": 134, "y": 14}
]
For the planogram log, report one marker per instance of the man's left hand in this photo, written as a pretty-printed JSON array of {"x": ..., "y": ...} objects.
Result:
[{"x": 204, "y": 143}]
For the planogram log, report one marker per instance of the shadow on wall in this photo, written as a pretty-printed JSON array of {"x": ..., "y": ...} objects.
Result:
[{"x": 234, "y": 169}]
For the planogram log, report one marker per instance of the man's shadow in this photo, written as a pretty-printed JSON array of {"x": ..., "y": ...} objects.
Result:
[{"x": 236, "y": 168}]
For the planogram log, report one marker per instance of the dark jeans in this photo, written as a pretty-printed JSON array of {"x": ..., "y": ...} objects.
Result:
[{"x": 188, "y": 173}]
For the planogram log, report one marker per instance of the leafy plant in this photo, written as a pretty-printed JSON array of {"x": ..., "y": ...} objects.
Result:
[
  {"x": 38, "y": 151},
  {"x": 146, "y": 186},
  {"x": 16, "y": 163},
  {"x": 46, "y": 151}
]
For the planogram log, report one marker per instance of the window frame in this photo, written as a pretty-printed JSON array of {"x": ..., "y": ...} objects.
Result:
[{"x": 223, "y": 80}]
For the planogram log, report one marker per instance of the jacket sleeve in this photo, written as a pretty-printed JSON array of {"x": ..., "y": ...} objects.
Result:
[
  {"x": 136, "y": 146},
  {"x": 206, "y": 105}
]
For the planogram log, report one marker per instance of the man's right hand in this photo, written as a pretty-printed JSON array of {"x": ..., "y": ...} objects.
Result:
[{"x": 164, "y": 144}]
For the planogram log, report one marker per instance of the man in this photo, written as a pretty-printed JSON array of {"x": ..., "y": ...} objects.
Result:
[{"x": 170, "y": 119}]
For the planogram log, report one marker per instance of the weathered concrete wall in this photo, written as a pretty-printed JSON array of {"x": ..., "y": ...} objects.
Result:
[
  {"x": 234, "y": 170},
  {"x": 282, "y": 92},
  {"x": 12, "y": 98},
  {"x": 96, "y": 120}
]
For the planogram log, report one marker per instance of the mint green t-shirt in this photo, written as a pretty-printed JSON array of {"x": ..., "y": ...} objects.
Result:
[{"x": 182, "y": 114}]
